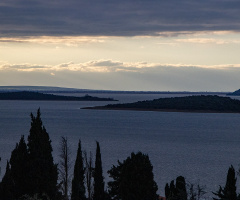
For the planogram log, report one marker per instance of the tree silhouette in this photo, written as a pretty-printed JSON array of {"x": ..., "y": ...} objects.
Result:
[
  {"x": 196, "y": 191},
  {"x": 229, "y": 191},
  {"x": 98, "y": 191},
  {"x": 42, "y": 171},
  {"x": 19, "y": 169},
  {"x": 167, "y": 191},
  {"x": 78, "y": 187},
  {"x": 133, "y": 179},
  {"x": 178, "y": 191},
  {"x": 64, "y": 166},
  {"x": 7, "y": 185},
  {"x": 181, "y": 192}
]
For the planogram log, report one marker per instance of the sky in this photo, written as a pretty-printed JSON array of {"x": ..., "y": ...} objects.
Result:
[{"x": 153, "y": 45}]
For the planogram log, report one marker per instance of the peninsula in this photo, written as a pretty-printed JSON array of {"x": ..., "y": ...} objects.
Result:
[
  {"x": 201, "y": 103},
  {"x": 37, "y": 96},
  {"x": 236, "y": 93}
]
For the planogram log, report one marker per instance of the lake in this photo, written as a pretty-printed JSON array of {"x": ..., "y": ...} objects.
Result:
[{"x": 198, "y": 146}]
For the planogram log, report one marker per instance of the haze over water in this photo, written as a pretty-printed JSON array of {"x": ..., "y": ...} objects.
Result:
[{"x": 198, "y": 146}]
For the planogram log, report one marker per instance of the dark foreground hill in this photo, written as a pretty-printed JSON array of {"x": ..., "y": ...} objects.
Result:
[
  {"x": 26, "y": 95},
  {"x": 182, "y": 104}
]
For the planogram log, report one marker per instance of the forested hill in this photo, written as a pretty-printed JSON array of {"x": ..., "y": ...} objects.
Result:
[
  {"x": 26, "y": 95},
  {"x": 236, "y": 93},
  {"x": 182, "y": 104}
]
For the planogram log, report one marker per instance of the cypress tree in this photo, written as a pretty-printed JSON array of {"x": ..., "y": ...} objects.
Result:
[
  {"x": 43, "y": 173},
  {"x": 98, "y": 191},
  {"x": 172, "y": 191},
  {"x": 7, "y": 185},
  {"x": 229, "y": 191},
  {"x": 178, "y": 191},
  {"x": 19, "y": 170},
  {"x": 167, "y": 191},
  {"x": 78, "y": 187},
  {"x": 181, "y": 192}
]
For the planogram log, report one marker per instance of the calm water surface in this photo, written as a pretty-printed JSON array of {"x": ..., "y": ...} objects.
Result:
[{"x": 199, "y": 146}]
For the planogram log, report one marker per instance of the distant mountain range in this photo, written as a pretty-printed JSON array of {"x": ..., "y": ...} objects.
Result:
[
  {"x": 48, "y": 89},
  {"x": 44, "y": 89}
]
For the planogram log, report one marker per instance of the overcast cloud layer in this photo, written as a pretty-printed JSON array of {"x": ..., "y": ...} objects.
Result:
[{"x": 115, "y": 18}]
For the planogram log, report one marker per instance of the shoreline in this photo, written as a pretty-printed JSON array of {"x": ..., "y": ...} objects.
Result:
[{"x": 157, "y": 110}]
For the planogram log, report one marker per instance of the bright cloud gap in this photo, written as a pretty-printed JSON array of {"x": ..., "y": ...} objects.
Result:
[
  {"x": 117, "y": 75},
  {"x": 102, "y": 66},
  {"x": 73, "y": 40}
]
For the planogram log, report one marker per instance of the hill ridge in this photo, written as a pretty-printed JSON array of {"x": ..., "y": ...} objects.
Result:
[
  {"x": 29, "y": 95},
  {"x": 195, "y": 103}
]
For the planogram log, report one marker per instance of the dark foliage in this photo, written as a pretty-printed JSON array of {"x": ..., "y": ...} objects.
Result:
[
  {"x": 167, "y": 191},
  {"x": 229, "y": 191},
  {"x": 178, "y": 191},
  {"x": 133, "y": 179},
  {"x": 98, "y": 185},
  {"x": 49, "y": 97},
  {"x": 42, "y": 173},
  {"x": 7, "y": 185},
  {"x": 31, "y": 169},
  {"x": 172, "y": 191},
  {"x": 78, "y": 187},
  {"x": 19, "y": 169},
  {"x": 181, "y": 192},
  {"x": 191, "y": 103}
]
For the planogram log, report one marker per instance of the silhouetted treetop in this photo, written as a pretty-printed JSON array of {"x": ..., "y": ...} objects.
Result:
[
  {"x": 133, "y": 179},
  {"x": 98, "y": 186},
  {"x": 78, "y": 186},
  {"x": 42, "y": 171},
  {"x": 229, "y": 191}
]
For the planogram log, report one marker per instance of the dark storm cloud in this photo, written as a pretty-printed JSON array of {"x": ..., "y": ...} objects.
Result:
[{"x": 116, "y": 18}]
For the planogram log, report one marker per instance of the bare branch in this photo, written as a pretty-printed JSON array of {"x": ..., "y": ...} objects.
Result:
[{"x": 65, "y": 166}]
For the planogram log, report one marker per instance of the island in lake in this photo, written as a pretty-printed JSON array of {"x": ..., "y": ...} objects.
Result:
[
  {"x": 26, "y": 95},
  {"x": 201, "y": 103}
]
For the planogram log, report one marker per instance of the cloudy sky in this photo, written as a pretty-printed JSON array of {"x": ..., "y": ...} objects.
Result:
[{"x": 175, "y": 45}]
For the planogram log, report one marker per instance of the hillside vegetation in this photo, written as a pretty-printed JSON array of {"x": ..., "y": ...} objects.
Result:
[
  {"x": 236, "y": 93},
  {"x": 26, "y": 95},
  {"x": 190, "y": 104}
]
